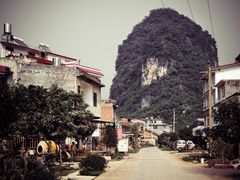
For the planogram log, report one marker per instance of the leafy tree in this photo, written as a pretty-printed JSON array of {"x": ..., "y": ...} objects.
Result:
[
  {"x": 221, "y": 149},
  {"x": 228, "y": 128},
  {"x": 110, "y": 137},
  {"x": 228, "y": 119},
  {"x": 68, "y": 115},
  {"x": 168, "y": 140},
  {"x": 173, "y": 137},
  {"x": 7, "y": 111},
  {"x": 185, "y": 133},
  {"x": 52, "y": 113},
  {"x": 31, "y": 109},
  {"x": 199, "y": 139},
  {"x": 134, "y": 130}
]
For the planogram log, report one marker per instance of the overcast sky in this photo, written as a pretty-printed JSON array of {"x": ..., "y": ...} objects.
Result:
[{"x": 91, "y": 30}]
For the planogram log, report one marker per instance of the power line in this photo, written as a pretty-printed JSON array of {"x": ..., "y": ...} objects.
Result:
[
  {"x": 190, "y": 10},
  {"x": 210, "y": 14},
  {"x": 163, "y": 4}
]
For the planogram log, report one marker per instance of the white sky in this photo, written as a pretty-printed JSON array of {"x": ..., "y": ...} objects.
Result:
[{"x": 91, "y": 30}]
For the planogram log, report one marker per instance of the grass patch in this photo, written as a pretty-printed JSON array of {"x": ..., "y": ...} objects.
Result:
[
  {"x": 191, "y": 158},
  {"x": 195, "y": 157},
  {"x": 133, "y": 150},
  {"x": 67, "y": 172}
]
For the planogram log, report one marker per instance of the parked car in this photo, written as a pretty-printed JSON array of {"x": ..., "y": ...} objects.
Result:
[
  {"x": 184, "y": 145},
  {"x": 190, "y": 145},
  {"x": 181, "y": 145},
  {"x": 235, "y": 163}
]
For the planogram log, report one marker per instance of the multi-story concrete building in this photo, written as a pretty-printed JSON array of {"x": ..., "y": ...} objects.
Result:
[
  {"x": 20, "y": 63},
  {"x": 221, "y": 83}
]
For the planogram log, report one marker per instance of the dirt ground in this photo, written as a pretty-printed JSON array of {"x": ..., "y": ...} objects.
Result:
[
  {"x": 203, "y": 168},
  {"x": 152, "y": 163}
]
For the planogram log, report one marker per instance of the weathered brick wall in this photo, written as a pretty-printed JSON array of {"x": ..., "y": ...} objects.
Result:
[{"x": 27, "y": 73}]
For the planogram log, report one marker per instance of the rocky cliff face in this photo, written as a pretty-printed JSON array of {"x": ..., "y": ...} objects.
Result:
[
  {"x": 158, "y": 67},
  {"x": 152, "y": 71}
]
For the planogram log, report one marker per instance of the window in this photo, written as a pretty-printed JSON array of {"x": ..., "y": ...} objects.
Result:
[
  {"x": 155, "y": 127},
  {"x": 221, "y": 92},
  {"x": 95, "y": 99}
]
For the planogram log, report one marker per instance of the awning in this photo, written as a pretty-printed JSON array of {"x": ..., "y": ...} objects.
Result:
[
  {"x": 91, "y": 71},
  {"x": 86, "y": 69},
  {"x": 96, "y": 133}
]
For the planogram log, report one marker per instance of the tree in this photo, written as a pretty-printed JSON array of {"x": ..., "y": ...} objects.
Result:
[
  {"x": 185, "y": 133},
  {"x": 134, "y": 130},
  {"x": 168, "y": 140},
  {"x": 228, "y": 128},
  {"x": 68, "y": 115},
  {"x": 220, "y": 149},
  {"x": 52, "y": 113},
  {"x": 7, "y": 111},
  {"x": 32, "y": 109},
  {"x": 199, "y": 139},
  {"x": 110, "y": 137}
]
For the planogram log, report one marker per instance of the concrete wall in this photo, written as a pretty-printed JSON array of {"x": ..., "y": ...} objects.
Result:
[
  {"x": 96, "y": 109},
  {"x": 232, "y": 73},
  {"x": 228, "y": 73},
  {"x": 107, "y": 112}
]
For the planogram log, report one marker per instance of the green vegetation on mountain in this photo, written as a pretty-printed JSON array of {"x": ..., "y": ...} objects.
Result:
[{"x": 176, "y": 44}]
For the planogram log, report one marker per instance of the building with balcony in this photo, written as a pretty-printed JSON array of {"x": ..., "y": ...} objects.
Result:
[{"x": 224, "y": 82}]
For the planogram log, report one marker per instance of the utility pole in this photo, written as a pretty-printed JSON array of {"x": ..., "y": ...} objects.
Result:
[
  {"x": 173, "y": 129},
  {"x": 210, "y": 122}
]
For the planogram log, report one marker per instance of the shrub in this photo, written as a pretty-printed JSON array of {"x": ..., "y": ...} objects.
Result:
[
  {"x": 117, "y": 156},
  {"x": 92, "y": 165},
  {"x": 196, "y": 157},
  {"x": 133, "y": 150}
]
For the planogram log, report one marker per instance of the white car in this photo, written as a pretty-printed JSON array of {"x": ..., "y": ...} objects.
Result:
[
  {"x": 235, "y": 163},
  {"x": 184, "y": 145},
  {"x": 181, "y": 145},
  {"x": 190, "y": 145}
]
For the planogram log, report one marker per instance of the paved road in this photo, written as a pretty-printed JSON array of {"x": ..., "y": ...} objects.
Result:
[{"x": 153, "y": 164}]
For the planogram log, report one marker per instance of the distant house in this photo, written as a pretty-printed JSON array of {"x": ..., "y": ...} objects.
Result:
[
  {"x": 157, "y": 126},
  {"x": 107, "y": 118},
  {"x": 224, "y": 83}
]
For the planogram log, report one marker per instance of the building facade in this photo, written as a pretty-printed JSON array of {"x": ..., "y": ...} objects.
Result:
[
  {"x": 20, "y": 63},
  {"x": 220, "y": 83}
]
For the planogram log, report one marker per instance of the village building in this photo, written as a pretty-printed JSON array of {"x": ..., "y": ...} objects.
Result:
[
  {"x": 108, "y": 118},
  {"x": 157, "y": 126},
  {"x": 23, "y": 64},
  {"x": 222, "y": 84},
  {"x": 20, "y": 63}
]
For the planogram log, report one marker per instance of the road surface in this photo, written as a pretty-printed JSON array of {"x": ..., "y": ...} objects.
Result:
[{"x": 154, "y": 164}]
